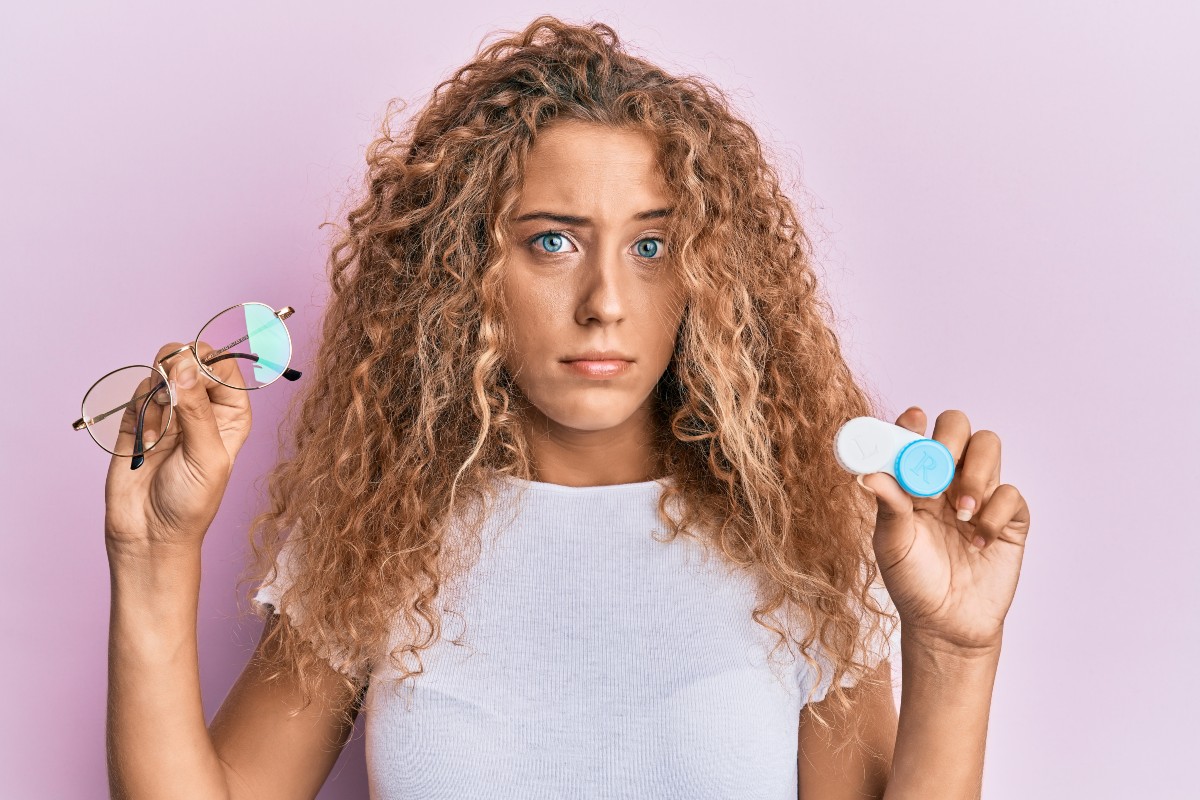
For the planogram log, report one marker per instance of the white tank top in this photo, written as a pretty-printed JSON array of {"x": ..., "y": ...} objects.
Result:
[{"x": 596, "y": 662}]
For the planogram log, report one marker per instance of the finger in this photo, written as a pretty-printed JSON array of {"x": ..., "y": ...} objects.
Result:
[
  {"x": 1005, "y": 507},
  {"x": 913, "y": 419},
  {"x": 978, "y": 473},
  {"x": 225, "y": 370},
  {"x": 893, "y": 504},
  {"x": 230, "y": 386},
  {"x": 202, "y": 444},
  {"x": 166, "y": 429},
  {"x": 952, "y": 429}
]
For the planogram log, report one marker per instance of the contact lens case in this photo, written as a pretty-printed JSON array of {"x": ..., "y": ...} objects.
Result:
[{"x": 922, "y": 466}]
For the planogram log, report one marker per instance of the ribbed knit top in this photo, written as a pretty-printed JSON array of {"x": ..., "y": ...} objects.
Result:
[{"x": 595, "y": 662}]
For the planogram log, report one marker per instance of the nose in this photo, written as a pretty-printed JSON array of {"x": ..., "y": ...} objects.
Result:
[{"x": 604, "y": 287}]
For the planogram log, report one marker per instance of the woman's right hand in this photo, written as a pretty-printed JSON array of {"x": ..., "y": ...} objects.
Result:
[{"x": 172, "y": 498}]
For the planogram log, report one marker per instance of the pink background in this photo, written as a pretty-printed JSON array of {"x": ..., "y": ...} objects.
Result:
[{"x": 1000, "y": 191}]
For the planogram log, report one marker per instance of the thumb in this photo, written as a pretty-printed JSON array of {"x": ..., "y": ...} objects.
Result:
[
  {"x": 202, "y": 445},
  {"x": 894, "y": 505}
]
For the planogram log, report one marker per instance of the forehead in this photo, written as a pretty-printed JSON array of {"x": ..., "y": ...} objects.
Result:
[{"x": 577, "y": 165}]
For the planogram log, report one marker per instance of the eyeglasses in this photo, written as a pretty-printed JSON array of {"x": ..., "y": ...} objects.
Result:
[{"x": 126, "y": 402}]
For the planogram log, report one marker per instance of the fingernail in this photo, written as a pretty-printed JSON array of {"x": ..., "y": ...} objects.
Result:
[
  {"x": 186, "y": 377},
  {"x": 979, "y": 542},
  {"x": 859, "y": 478},
  {"x": 966, "y": 507}
]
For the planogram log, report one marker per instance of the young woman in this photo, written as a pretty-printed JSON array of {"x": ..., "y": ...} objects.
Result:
[{"x": 563, "y": 512}]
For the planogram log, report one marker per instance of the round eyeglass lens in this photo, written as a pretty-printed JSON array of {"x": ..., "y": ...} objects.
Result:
[
  {"x": 252, "y": 338},
  {"x": 127, "y": 407}
]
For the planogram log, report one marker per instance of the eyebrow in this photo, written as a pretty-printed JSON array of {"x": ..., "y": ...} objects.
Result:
[{"x": 567, "y": 219}]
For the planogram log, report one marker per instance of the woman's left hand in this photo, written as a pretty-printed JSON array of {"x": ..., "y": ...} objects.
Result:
[{"x": 946, "y": 589}]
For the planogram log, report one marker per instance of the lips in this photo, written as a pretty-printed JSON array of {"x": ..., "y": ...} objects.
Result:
[
  {"x": 600, "y": 368},
  {"x": 600, "y": 355}
]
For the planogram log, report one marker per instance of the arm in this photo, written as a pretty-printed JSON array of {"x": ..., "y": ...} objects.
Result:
[
  {"x": 158, "y": 745},
  {"x": 944, "y": 706},
  {"x": 265, "y": 753},
  {"x": 852, "y": 773},
  {"x": 936, "y": 748},
  {"x": 951, "y": 563}
]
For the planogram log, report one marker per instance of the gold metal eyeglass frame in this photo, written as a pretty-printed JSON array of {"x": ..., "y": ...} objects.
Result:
[{"x": 85, "y": 422}]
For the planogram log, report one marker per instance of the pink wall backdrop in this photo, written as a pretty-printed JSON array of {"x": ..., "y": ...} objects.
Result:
[{"x": 1005, "y": 196}]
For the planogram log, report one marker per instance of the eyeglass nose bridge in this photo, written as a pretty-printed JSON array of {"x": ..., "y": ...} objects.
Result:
[{"x": 174, "y": 353}]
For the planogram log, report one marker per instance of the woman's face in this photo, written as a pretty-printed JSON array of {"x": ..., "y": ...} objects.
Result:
[{"x": 600, "y": 280}]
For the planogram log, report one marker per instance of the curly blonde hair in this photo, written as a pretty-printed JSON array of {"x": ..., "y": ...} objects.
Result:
[{"x": 410, "y": 412}]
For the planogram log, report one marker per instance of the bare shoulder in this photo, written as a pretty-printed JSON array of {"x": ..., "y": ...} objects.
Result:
[
  {"x": 853, "y": 773},
  {"x": 266, "y": 752}
]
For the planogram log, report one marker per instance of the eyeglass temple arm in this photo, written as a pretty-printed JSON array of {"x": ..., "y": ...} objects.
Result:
[{"x": 138, "y": 456}]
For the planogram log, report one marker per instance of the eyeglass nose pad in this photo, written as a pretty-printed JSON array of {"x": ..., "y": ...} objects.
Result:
[{"x": 171, "y": 390}]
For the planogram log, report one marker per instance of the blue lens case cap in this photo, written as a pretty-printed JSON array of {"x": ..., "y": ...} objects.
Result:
[{"x": 924, "y": 468}]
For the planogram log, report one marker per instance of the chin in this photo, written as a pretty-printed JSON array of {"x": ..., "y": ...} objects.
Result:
[{"x": 593, "y": 415}]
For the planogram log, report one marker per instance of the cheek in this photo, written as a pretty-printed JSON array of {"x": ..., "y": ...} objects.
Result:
[
  {"x": 530, "y": 322},
  {"x": 669, "y": 314}
]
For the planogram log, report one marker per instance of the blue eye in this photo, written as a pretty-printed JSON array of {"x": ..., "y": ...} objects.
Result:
[
  {"x": 553, "y": 236},
  {"x": 653, "y": 251}
]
